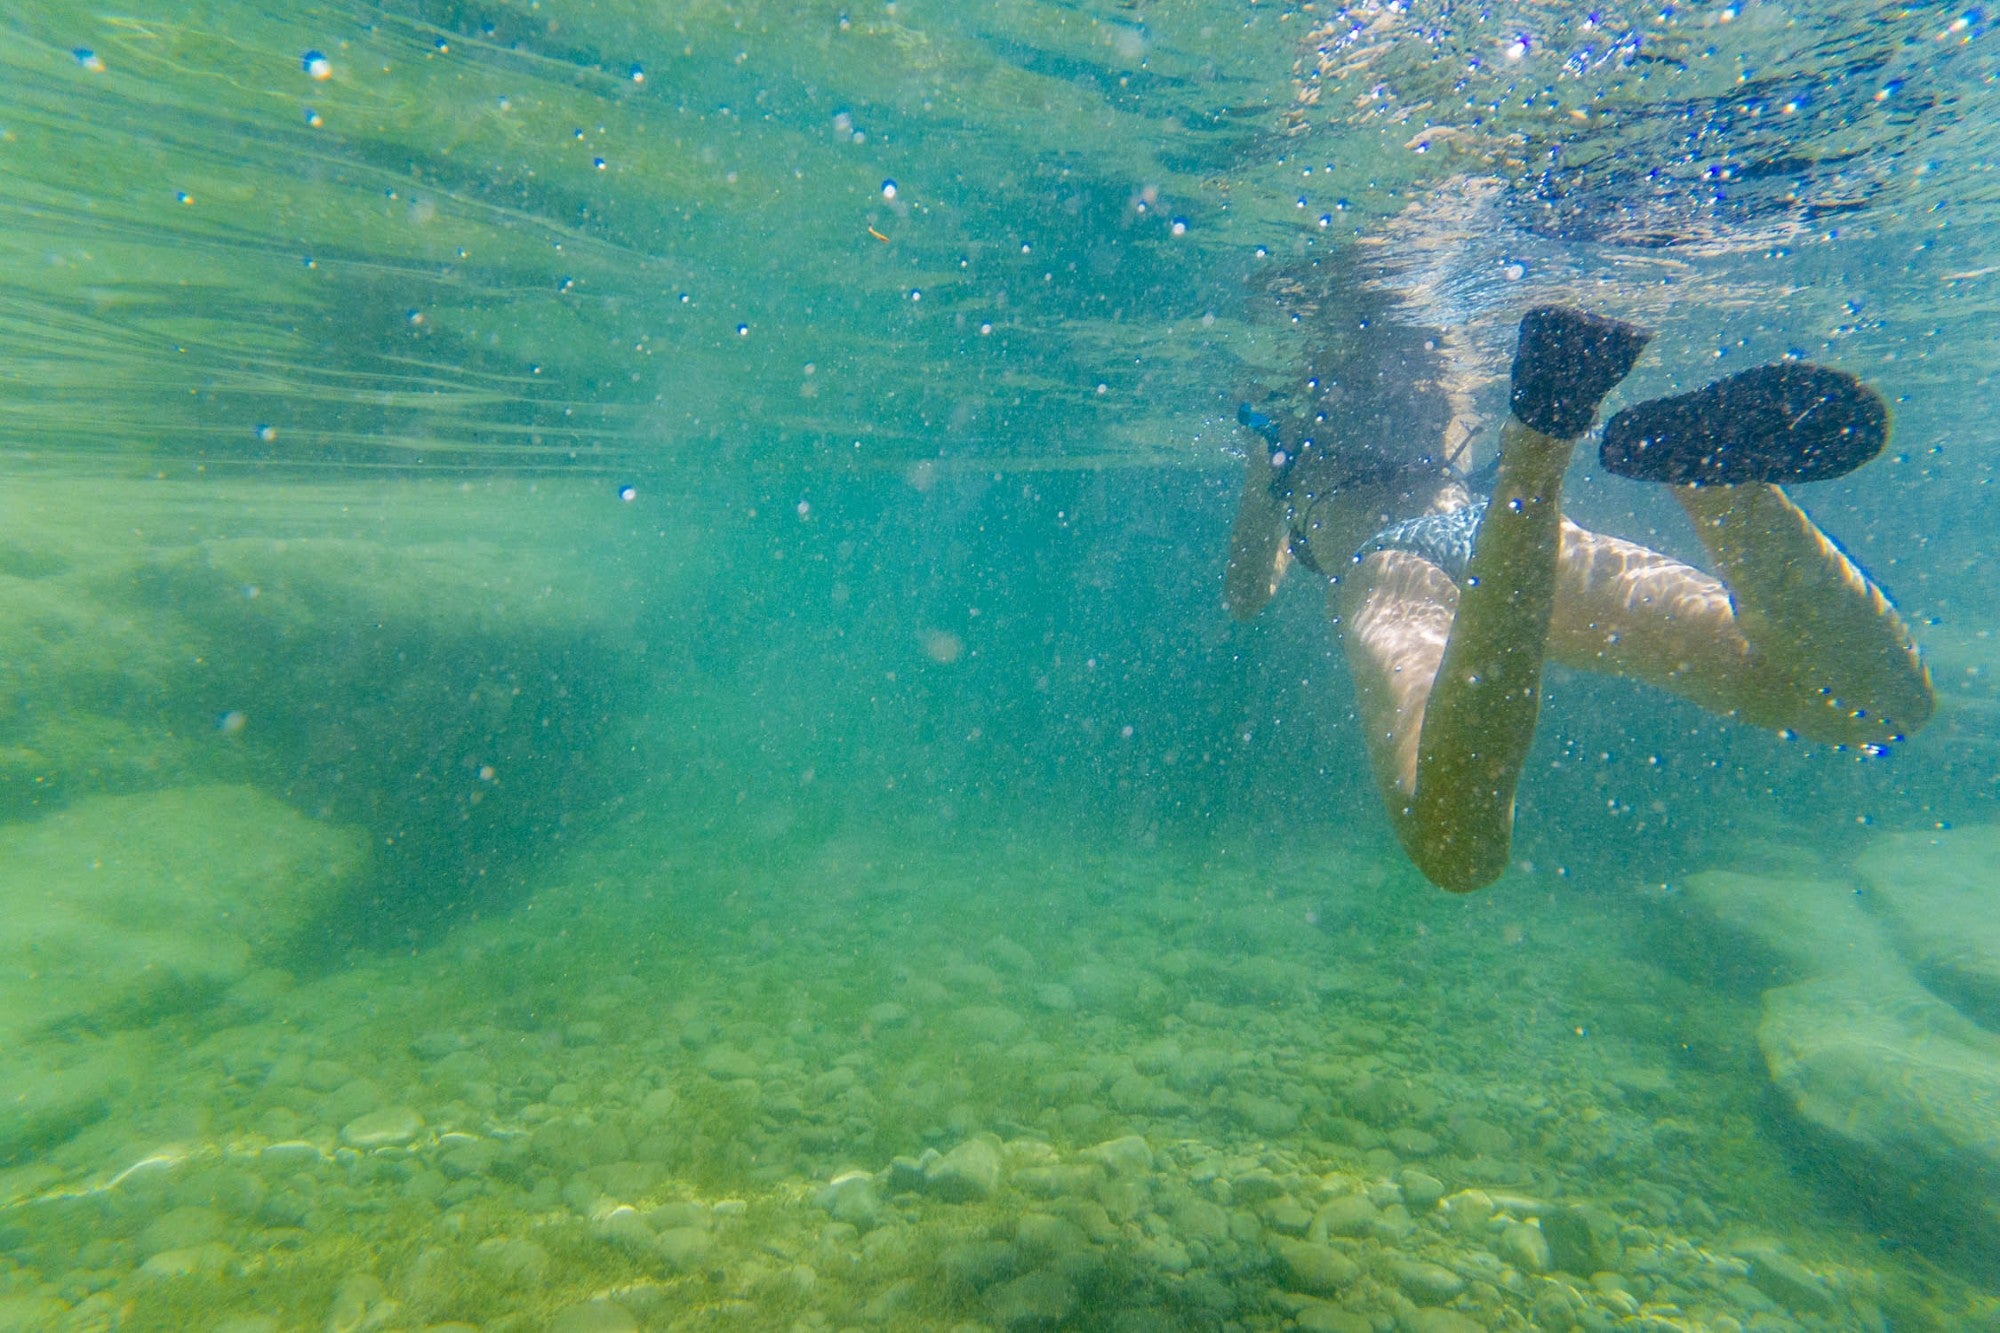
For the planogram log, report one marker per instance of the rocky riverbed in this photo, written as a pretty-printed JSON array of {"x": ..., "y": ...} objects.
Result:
[{"x": 983, "y": 1086}]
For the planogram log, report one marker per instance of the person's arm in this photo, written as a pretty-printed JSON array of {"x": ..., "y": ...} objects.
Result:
[{"x": 1258, "y": 554}]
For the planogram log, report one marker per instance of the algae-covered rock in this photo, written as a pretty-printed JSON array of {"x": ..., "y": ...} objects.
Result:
[{"x": 122, "y": 905}]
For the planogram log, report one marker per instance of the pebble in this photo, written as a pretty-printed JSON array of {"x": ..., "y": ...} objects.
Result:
[
  {"x": 966, "y": 1174},
  {"x": 1427, "y": 1283},
  {"x": 978, "y": 1264},
  {"x": 1351, "y": 1215},
  {"x": 1055, "y": 997},
  {"x": 1318, "y": 1270},
  {"x": 1421, "y": 1190},
  {"x": 512, "y": 1261},
  {"x": 728, "y": 1064},
  {"x": 683, "y": 1248},
  {"x": 990, "y": 1022},
  {"x": 1320, "y": 1317},
  {"x": 1289, "y": 1216},
  {"x": 1583, "y": 1239},
  {"x": 851, "y": 1198},
  {"x": 1412, "y": 1142},
  {"x": 1445, "y": 1321},
  {"x": 388, "y": 1127},
  {"x": 1790, "y": 1283},
  {"x": 1127, "y": 1156},
  {"x": 1040, "y": 1300},
  {"x": 594, "y": 1317},
  {"x": 1040, "y": 1239},
  {"x": 1524, "y": 1246},
  {"x": 1054, "y": 1182}
]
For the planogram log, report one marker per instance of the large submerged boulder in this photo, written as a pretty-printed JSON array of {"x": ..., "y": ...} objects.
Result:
[
  {"x": 1897, "y": 1086},
  {"x": 120, "y": 909},
  {"x": 1938, "y": 893}
]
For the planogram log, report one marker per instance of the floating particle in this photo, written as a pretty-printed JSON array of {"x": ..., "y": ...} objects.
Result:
[
  {"x": 316, "y": 66},
  {"x": 89, "y": 59}
]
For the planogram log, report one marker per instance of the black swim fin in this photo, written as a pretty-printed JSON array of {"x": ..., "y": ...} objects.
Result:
[
  {"x": 1786, "y": 422},
  {"x": 1564, "y": 364}
]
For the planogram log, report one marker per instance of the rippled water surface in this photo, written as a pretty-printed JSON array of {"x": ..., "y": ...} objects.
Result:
[{"x": 618, "y": 715}]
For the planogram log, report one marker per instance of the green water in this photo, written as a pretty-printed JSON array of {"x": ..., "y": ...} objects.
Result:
[{"x": 618, "y": 715}]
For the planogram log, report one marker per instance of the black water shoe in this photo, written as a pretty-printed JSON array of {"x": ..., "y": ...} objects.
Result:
[
  {"x": 1564, "y": 364},
  {"x": 1788, "y": 422}
]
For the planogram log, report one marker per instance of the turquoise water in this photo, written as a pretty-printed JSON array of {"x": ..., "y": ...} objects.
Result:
[{"x": 619, "y": 714}]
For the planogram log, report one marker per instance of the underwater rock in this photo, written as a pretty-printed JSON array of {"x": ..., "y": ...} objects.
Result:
[
  {"x": 512, "y": 1261},
  {"x": 1525, "y": 1247},
  {"x": 1902, "y": 1087},
  {"x": 1264, "y": 1115},
  {"x": 977, "y": 1265},
  {"x": 989, "y": 1023},
  {"x": 1582, "y": 1239},
  {"x": 122, "y": 908},
  {"x": 1426, "y": 1283},
  {"x": 1318, "y": 1270},
  {"x": 1789, "y": 1282},
  {"x": 389, "y": 1126},
  {"x": 967, "y": 1173},
  {"x": 1033, "y": 1301},
  {"x": 1044, "y": 1239},
  {"x": 727, "y": 1064},
  {"x": 1350, "y": 1215},
  {"x": 594, "y": 1317},
  {"x": 1421, "y": 1190},
  {"x": 1127, "y": 1156},
  {"x": 683, "y": 1248},
  {"x": 1319, "y": 1317},
  {"x": 1935, "y": 893},
  {"x": 851, "y": 1198}
]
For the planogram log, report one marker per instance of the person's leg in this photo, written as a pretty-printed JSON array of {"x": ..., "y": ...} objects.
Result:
[
  {"x": 1793, "y": 635},
  {"x": 1831, "y": 659},
  {"x": 1449, "y": 674}
]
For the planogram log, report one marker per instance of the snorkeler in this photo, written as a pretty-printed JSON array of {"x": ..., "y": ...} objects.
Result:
[{"x": 1447, "y": 616}]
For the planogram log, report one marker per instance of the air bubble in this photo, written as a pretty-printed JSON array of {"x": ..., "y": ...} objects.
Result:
[
  {"x": 888, "y": 189},
  {"x": 628, "y": 493},
  {"x": 89, "y": 59},
  {"x": 316, "y": 66}
]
